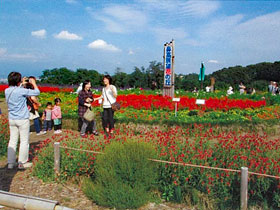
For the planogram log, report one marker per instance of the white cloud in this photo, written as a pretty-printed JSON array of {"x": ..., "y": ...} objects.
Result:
[
  {"x": 182, "y": 8},
  {"x": 220, "y": 28},
  {"x": 100, "y": 44},
  {"x": 213, "y": 61},
  {"x": 68, "y": 36},
  {"x": 121, "y": 19},
  {"x": 260, "y": 33},
  {"x": 5, "y": 55},
  {"x": 25, "y": 56},
  {"x": 163, "y": 35},
  {"x": 71, "y": 1},
  {"x": 130, "y": 52},
  {"x": 39, "y": 34},
  {"x": 198, "y": 8},
  {"x": 2, "y": 51}
]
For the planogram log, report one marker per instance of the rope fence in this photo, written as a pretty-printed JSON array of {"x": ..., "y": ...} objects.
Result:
[{"x": 244, "y": 170}]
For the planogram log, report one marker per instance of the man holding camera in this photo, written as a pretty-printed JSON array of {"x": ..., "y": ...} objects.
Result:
[{"x": 19, "y": 123}]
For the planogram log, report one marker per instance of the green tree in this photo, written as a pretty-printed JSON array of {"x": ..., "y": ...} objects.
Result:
[
  {"x": 137, "y": 78},
  {"x": 120, "y": 78},
  {"x": 155, "y": 74},
  {"x": 61, "y": 76}
]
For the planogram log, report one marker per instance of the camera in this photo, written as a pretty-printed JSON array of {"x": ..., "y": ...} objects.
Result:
[{"x": 27, "y": 80}]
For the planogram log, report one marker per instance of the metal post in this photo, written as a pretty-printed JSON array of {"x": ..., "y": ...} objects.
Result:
[
  {"x": 244, "y": 188},
  {"x": 56, "y": 157}
]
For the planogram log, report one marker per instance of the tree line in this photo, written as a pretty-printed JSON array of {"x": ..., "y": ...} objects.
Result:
[{"x": 256, "y": 76}]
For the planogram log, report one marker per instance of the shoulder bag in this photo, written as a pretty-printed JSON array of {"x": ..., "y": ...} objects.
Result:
[
  {"x": 89, "y": 115},
  {"x": 115, "y": 106}
]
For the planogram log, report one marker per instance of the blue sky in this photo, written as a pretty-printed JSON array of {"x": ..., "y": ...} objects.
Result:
[{"x": 97, "y": 34}]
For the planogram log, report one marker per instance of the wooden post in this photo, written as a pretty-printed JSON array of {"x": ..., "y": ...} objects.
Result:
[
  {"x": 56, "y": 157},
  {"x": 244, "y": 188}
]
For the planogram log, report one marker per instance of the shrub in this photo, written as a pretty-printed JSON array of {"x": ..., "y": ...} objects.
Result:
[
  {"x": 4, "y": 135},
  {"x": 72, "y": 163},
  {"x": 124, "y": 175}
]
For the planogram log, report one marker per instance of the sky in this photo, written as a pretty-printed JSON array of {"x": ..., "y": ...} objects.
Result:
[{"x": 103, "y": 35}]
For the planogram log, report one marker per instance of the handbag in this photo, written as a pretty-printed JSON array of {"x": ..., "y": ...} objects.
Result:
[
  {"x": 57, "y": 121},
  {"x": 89, "y": 115},
  {"x": 33, "y": 116},
  {"x": 115, "y": 106}
]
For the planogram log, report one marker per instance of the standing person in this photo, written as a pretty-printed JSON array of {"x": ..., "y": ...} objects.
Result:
[
  {"x": 47, "y": 117},
  {"x": 241, "y": 88},
  {"x": 57, "y": 116},
  {"x": 109, "y": 96},
  {"x": 85, "y": 99},
  {"x": 270, "y": 87},
  {"x": 19, "y": 123},
  {"x": 33, "y": 105}
]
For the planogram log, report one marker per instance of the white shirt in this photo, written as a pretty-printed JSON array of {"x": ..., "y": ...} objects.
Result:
[{"x": 109, "y": 93}]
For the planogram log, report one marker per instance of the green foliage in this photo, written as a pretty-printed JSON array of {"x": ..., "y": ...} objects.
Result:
[
  {"x": 124, "y": 175},
  {"x": 44, "y": 164},
  {"x": 255, "y": 76},
  {"x": 4, "y": 135},
  {"x": 73, "y": 163}
]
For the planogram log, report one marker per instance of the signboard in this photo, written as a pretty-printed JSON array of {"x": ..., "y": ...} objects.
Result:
[
  {"x": 176, "y": 99},
  {"x": 168, "y": 66},
  {"x": 200, "y": 101}
]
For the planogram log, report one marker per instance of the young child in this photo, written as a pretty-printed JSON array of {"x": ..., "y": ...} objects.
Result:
[
  {"x": 47, "y": 117},
  {"x": 56, "y": 116}
]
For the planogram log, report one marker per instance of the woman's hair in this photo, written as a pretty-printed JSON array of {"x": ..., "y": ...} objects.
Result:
[
  {"x": 57, "y": 100},
  {"x": 107, "y": 76},
  {"x": 29, "y": 86},
  {"x": 14, "y": 78},
  {"x": 85, "y": 83}
]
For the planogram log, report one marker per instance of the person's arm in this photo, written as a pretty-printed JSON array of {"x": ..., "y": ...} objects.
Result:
[
  {"x": 30, "y": 92},
  {"x": 44, "y": 115},
  {"x": 114, "y": 90},
  {"x": 100, "y": 97},
  {"x": 35, "y": 100},
  {"x": 82, "y": 101}
]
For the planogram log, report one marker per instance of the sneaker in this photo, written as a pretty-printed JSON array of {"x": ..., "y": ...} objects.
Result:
[
  {"x": 38, "y": 134},
  {"x": 95, "y": 133},
  {"x": 23, "y": 166},
  {"x": 59, "y": 131},
  {"x": 11, "y": 165},
  {"x": 56, "y": 132},
  {"x": 112, "y": 131},
  {"x": 43, "y": 132}
]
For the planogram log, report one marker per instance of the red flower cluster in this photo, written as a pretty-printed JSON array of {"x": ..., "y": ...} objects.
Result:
[
  {"x": 160, "y": 102},
  {"x": 47, "y": 89},
  {"x": 3, "y": 87},
  {"x": 44, "y": 89}
]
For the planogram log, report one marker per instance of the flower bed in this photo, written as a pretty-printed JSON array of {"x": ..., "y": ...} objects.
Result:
[
  {"x": 200, "y": 145},
  {"x": 157, "y": 109}
]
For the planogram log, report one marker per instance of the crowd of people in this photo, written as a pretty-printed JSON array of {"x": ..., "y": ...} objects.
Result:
[{"x": 23, "y": 107}]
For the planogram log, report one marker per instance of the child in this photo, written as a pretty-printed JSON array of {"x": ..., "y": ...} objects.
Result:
[
  {"x": 47, "y": 117},
  {"x": 56, "y": 116}
]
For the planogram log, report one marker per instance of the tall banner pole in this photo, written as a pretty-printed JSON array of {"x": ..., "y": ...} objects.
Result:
[{"x": 169, "y": 76}]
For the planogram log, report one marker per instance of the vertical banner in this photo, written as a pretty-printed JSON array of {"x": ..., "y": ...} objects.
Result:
[
  {"x": 168, "y": 65},
  {"x": 202, "y": 73}
]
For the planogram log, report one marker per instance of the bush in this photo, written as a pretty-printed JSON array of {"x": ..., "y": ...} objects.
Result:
[
  {"x": 124, "y": 175},
  {"x": 4, "y": 135}
]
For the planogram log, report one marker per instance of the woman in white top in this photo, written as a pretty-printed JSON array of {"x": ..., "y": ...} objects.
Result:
[{"x": 109, "y": 96}]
